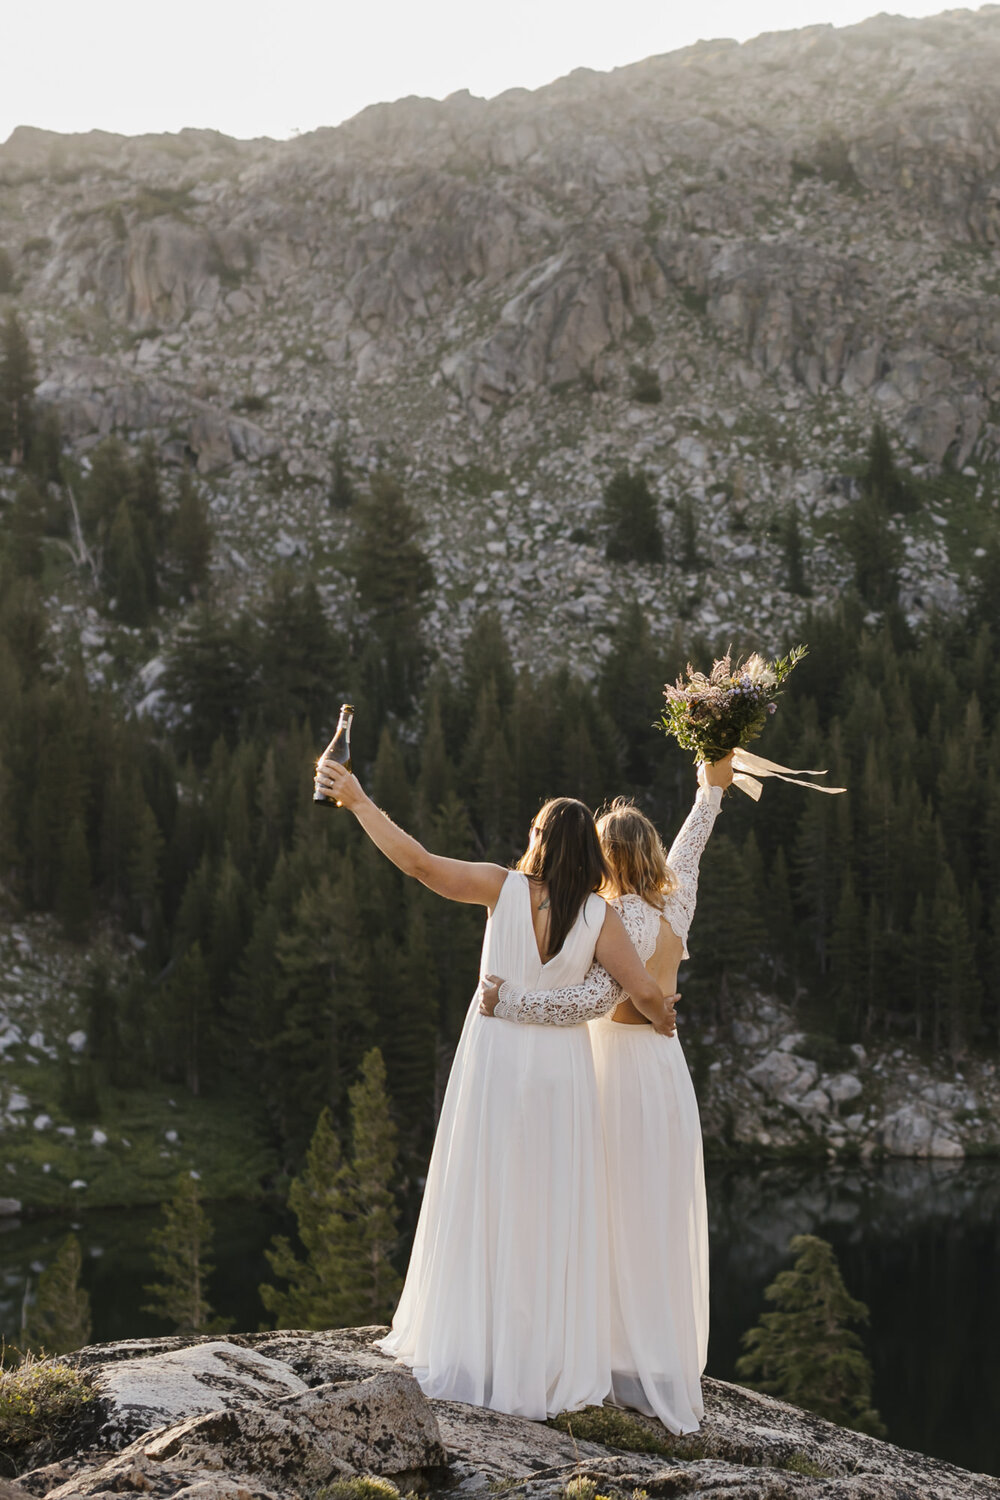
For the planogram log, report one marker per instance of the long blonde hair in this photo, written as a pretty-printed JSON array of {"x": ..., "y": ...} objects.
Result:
[{"x": 635, "y": 854}]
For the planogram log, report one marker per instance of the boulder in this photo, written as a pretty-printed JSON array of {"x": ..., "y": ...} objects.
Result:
[
  {"x": 163, "y": 1387},
  {"x": 782, "y": 1075},
  {"x": 842, "y": 1087},
  {"x": 383, "y": 1425},
  {"x": 915, "y": 1131}
]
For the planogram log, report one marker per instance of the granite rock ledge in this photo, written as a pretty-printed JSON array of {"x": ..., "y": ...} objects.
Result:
[{"x": 276, "y": 1416}]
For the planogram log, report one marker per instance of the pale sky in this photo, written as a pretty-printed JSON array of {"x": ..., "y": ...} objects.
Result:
[{"x": 267, "y": 68}]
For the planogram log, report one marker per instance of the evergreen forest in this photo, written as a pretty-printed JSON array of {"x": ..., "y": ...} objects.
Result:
[{"x": 271, "y": 947}]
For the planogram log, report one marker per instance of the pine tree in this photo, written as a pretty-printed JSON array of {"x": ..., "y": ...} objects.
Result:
[
  {"x": 634, "y": 533},
  {"x": 805, "y": 1351},
  {"x": 346, "y": 1218},
  {"x": 373, "y": 1169},
  {"x": 881, "y": 477},
  {"x": 17, "y": 388},
  {"x": 955, "y": 982},
  {"x": 59, "y": 1320},
  {"x": 437, "y": 773},
  {"x": 791, "y": 546},
  {"x": 192, "y": 538},
  {"x": 847, "y": 949},
  {"x": 728, "y": 926},
  {"x": 686, "y": 534},
  {"x": 212, "y": 673},
  {"x": 192, "y": 1018},
  {"x": 486, "y": 658},
  {"x": 875, "y": 550},
  {"x": 73, "y": 897},
  {"x": 342, "y": 491},
  {"x": 489, "y": 775},
  {"x": 629, "y": 677},
  {"x": 125, "y": 570},
  {"x": 390, "y": 782},
  {"x": 26, "y": 520},
  {"x": 110, "y": 481},
  {"x": 410, "y": 1044},
  {"x": 46, "y": 456},
  {"x": 393, "y": 575},
  {"x": 181, "y": 1250},
  {"x": 100, "y": 1009},
  {"x": 323, "y": 1016},
  {"x": 320, "y": 1201},
  {"x": 780, "y": 923},
  {"x": 298, "y": 654}
]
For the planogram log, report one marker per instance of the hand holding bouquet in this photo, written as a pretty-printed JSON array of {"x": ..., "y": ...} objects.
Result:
[{"x": 727, "y": 710}]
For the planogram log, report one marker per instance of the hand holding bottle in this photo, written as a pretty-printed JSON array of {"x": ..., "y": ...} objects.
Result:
[{"x": 335, "y": 783}]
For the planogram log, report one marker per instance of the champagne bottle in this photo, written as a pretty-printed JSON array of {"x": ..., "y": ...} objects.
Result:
[{"x": 339, "y": 749}]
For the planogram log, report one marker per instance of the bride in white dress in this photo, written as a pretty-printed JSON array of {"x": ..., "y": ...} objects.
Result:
[
  {"x": 656, "y": 1182},
  {"x": 505, "y": 1303}
]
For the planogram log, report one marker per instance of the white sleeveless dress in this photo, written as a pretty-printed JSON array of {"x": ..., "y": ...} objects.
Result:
[
  {"x": 505, "y": 1303},
  {"x": 657, "y": 1207}
]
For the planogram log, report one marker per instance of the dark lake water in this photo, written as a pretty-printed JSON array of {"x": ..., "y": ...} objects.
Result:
[{"x": 918, "y": 1242}]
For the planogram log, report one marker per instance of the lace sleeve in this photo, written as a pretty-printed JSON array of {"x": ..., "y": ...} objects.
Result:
[
  {"x": 598, "y": 994},
  {"x": 685, "y": 857}
]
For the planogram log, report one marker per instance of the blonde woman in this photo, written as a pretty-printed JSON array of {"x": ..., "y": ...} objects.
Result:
[{"x": 656, "y": 1203}]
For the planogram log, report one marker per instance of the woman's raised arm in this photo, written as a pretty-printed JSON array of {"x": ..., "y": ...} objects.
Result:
[{"x": 456, "y": 879}]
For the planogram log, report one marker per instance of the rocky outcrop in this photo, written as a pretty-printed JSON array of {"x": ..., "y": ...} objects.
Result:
[
  {"x": 226, "y": 1419},
  {"x": 721, "y": 265},
  {"x": 771, "y": 1086}
]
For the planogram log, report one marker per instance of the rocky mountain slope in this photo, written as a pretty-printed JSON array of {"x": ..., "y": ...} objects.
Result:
[
  {"x": 285, "y": 1414},
  {"x": 783, "y": 240}
]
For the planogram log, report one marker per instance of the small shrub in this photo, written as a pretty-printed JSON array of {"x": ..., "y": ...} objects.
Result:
[
  {"x": 580, "y": 536},
  {"x": 633, "y": 526},
  {"x": 40, "y": 1402},
  {"x": 161, "y": 202},
  {"x": 6, "y": 271},
  {"x": 580, "y": 1489},
  {"x": 251, "y": 402},
  {"x": 641, "y": 331},
  {"x": 363, "y": 1487},
  {"x": 696, "y": 302},
  {"x": 613, "y": 1428},
  {"x": 645, "y": 385},
  {"x": 800, "y": 1463}
]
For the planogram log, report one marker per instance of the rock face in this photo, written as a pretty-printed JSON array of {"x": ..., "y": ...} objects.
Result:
[
  {"x": 240, "y": 1422},
  {"x": 782, "y": 241}
]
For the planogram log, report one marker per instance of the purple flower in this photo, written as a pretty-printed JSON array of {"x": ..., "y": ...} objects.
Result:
[{"x": 772, "y": 708}]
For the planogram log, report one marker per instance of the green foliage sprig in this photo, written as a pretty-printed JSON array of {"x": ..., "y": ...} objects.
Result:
[
  {"x": 730, "y": 707},
  {"x": 40, "y": 1399}
]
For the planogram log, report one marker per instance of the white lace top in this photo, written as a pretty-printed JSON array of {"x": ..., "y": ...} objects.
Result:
[{"x": 599, "y": 993}]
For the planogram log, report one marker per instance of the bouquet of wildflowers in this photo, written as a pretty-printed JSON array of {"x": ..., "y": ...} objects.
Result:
[{"x": 727, "y": 709}]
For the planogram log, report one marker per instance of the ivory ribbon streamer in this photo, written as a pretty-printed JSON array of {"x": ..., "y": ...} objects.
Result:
[{"x": 744, "y": 763}]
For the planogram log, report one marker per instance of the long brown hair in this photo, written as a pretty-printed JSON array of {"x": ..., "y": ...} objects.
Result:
[
  {"x": 634, "y": 853},
  {"x": 565, "y": 854}
]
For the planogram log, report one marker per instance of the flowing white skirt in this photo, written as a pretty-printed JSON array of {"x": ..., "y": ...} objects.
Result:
[
  {"x": 506, "y": 1297},
  {"x": 658, "y": 1223}
]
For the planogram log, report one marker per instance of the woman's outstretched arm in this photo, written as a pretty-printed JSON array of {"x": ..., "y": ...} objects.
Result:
[
  {"x": 617, "y": 972},
  {"x": 456, "y": 879}
]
